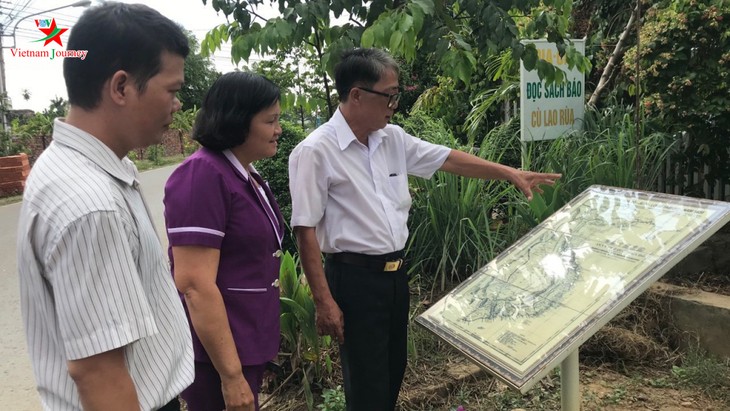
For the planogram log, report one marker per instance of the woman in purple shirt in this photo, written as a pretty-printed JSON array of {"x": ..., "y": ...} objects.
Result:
[{"x": 225, "y": 232}]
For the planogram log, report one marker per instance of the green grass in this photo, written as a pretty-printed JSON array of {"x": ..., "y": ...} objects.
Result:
[
  {"x": 10, "y": 199},
  {"x": 711, "y": 375}
]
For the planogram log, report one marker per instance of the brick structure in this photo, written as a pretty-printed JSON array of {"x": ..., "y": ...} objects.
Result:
[
  {"x": 13, "y": 172},
  {"x": 14, "y": 169},
  {"x": 170, "y": 143}
]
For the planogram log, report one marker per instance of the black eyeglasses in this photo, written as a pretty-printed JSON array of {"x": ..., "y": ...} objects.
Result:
[{"x": 393, "y": 99}]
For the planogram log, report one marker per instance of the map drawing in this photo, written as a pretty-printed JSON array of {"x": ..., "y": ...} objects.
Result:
[{"x": 556, "y": 286}]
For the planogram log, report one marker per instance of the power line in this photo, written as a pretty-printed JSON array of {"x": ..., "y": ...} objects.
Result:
[
  {"x": 13, "y": 13},
  {"x": 32, "y": 10}
]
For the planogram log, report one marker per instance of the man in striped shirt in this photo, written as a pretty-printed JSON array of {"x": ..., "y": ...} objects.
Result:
[{"x": 105, "y": 326}]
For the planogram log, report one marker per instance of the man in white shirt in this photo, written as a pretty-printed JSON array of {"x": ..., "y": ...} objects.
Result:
[
  {"x": 350, "y": 200},
  {"x": 104, "y": 323}
]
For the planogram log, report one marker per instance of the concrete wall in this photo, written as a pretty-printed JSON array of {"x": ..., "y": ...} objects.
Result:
[{"x": 703, "y": 317}]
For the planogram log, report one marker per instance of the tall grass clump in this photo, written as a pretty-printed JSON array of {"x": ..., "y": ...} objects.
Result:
[
  {"x": 453, "y": 230},
  {"x": 456, "y": 222},
  {"x": 604, "y": 152}
]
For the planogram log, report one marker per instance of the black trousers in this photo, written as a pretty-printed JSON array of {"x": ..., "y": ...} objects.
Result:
[{"x": 375, "y": 306}]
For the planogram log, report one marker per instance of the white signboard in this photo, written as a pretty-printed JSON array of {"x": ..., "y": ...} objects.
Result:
[
  {"x": 549, "y": 111},
  {"x": 538, "y": 301}
]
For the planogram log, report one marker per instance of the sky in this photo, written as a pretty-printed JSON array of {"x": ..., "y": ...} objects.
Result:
[{"x": 43, "y": 77}]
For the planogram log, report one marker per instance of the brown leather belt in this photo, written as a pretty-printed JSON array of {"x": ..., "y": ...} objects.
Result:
[{"x": 385, "y": 262}]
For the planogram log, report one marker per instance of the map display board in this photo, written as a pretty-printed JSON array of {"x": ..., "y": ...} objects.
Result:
[{"x": 529, "y": 308}]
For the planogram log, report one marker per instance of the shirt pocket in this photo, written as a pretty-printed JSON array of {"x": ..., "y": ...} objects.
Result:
[{"x": 400, "y": 196}]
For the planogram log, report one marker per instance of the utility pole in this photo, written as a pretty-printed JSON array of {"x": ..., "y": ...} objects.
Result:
[{"x": 3, "y": 90}]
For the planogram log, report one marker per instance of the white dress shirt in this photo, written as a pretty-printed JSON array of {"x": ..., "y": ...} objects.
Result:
[{"x": 357, "y": 196}]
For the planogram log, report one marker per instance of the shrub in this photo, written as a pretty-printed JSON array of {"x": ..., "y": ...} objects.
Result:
[
  {"x": 155, "y": 154},
  {"x": 275, "y": 170},
  {"x": 11, "y": 145},
  {"x": 333, "y": 399},
  {"x": 685, "y": 79}
]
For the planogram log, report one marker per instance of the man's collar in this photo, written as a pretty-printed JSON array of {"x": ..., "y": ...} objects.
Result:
[
  {"x": 93, "y": 149},
  {"x": 345, "y": 136}
]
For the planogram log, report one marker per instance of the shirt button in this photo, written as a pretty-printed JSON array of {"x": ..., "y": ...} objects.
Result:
[
  {"x": 277, "y": 254},
  {"x": 275, "y": 284}
]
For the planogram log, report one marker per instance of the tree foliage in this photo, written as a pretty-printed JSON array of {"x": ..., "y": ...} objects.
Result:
[
  {"x": 58, "y": 107},
  {"x": 182, "y": 123},
  {"x": 684, "y": 75},
  {"x": 456, "y": 33},
  {"x": 275, "y": 170},
  {"x": 303, "y": 94},
  {"x": 199, "y": 76}
]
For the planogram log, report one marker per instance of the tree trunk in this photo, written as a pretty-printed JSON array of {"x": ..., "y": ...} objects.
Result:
[
  {"x": 325, "y": 81},
  {"x": 618, "y": 51}
]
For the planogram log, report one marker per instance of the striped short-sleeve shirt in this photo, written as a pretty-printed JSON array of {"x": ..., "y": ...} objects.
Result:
[{"x": 93, "y": 275}]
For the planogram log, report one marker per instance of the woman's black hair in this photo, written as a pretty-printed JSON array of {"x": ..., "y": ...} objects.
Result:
[{"x": 233, "y": 100}]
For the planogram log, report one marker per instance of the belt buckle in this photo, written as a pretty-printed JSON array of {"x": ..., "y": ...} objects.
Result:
[{"x": 393, "y": 265}]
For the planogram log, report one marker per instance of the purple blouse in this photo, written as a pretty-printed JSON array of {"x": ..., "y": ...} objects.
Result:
[{"x": 210, "y": 203}]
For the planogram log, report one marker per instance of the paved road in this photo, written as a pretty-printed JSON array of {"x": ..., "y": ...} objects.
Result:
[{"x": 17, "y": 386}]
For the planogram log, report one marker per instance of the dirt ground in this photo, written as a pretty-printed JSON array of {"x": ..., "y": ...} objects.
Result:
[
  {"x": 718, "y": 283},
  {"x": 628, "y": 365},
  {"x": 459, "y": 383}
]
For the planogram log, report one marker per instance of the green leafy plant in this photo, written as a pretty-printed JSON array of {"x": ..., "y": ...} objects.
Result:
[
  {"x": 11, "y": 145},
  {"x": 702, "y": 370},
  {"x": 155, "y": 154},
  {"x": 333, "y": 399},
  {"x": 616, "y": 396},
  {"x": 307, "y": 351}
]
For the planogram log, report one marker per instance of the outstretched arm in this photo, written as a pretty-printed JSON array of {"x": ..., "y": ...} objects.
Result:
[{"x": 468, "y": 165}]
